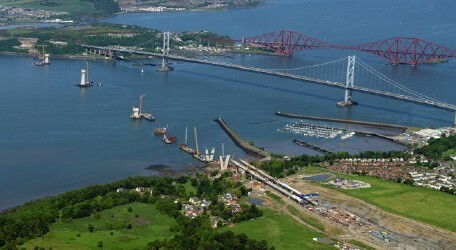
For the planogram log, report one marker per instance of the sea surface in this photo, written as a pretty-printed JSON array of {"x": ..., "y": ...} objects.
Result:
[{"x": 56, "y": 137}]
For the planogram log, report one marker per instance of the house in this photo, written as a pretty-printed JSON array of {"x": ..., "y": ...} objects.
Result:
[
  {"x": 205, "y": 203},
  {"x": 194, "y": 200},
  {"x": 119, "y": 190},
  {"x": 214, "y": 221}
]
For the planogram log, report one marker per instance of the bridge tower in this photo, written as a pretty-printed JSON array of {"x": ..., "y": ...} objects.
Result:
[
  {"x": 454, "y": 121},
  {"x": 165, "y": 66},
  {"x": 349, "y": 83}
]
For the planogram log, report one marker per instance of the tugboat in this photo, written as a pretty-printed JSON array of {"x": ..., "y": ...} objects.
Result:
[
  {"x": 137, "y": 112},
  {"x": 85, "y": 82},
  {"x": 169, "y": 139},
  {"x": 184, "y": 146}
]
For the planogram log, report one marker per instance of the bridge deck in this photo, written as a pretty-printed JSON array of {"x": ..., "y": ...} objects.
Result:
[{"x": 429, "y": 103}]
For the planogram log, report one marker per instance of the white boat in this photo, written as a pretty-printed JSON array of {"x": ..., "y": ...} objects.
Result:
[{"x": 348, "y": 135}]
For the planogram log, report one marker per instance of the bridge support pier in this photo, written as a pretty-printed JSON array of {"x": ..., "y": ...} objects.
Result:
[
  {"x": 165, "y": 66},
  {"x": 349, "y": 83},
  {"x": 454, "y": 122}
]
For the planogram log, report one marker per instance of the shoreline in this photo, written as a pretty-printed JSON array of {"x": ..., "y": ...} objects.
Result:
[{"x": 99, "y": 19}]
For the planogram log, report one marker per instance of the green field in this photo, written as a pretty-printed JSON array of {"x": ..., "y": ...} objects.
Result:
[
  {"x": 426, "y": 205},
  {"x": 281, "y": 231},
  {"x": 149, "y": 226},
  {"x": 450, "y": 152},
  {"x": 74, "y": 7}
]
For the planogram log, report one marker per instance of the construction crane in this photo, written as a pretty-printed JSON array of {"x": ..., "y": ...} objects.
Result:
[
  {"x": 41, "y": 45},
  {"x": 140, "y": 103},
  {"x": 44, "y": 57}
]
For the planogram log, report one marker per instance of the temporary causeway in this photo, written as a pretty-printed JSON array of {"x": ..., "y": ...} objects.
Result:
[
  {"x": 245, "y": 146},
  {"x": 375, "y": 124}
]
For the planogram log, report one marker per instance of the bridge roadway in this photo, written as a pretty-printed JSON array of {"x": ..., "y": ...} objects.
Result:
[{"x": 429, "y": 103}]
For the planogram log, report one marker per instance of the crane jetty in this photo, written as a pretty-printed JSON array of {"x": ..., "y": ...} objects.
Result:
[
  {"x": 137, "y": 113},
  {"x": 44, "y": 59}
]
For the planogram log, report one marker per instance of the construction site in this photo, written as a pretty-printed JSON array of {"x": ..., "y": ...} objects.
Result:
[{"x": 343, "y": 217}]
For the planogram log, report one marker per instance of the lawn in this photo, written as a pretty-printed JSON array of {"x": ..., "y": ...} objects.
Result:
[
  {"x": 189, "y": 189},
  {"x": 449, "y": 152},
  {"x": 149, "y": 226},
  {"x": 281, "y": 231},
  {"x": 425, "y": 205}
]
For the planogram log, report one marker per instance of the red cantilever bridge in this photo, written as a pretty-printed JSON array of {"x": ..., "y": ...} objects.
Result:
[{"x": 398, "y": 50}]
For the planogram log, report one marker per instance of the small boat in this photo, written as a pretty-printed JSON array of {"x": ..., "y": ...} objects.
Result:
[
  {"x": 200, "y": 157},
  {"x": 160, "y": 131},
  {"x": 169, "y": 139},
  {"x": 148, "y": 116},
  {"x": 348, "y": 135},
  {"x": 142, "y": 71}
]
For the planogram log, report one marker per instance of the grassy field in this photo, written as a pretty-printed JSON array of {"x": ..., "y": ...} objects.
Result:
[
  {"x": 189, "y": 189},
  {"x": 309, "y": 220},
  {"x": 281, "y": 231},
  {"x": 450, "y": 152},
  {"x": 149, "y": 226},
  {"x": 74, "y": 7},
  {"x": 425, "y": 205}
]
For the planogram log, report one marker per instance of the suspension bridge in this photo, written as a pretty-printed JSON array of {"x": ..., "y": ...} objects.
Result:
[{"x": 350, "y": 74}]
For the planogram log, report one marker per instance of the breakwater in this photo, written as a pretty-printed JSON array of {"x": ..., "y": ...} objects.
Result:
[
  {"x": 245, "y": 146},
  {"x": 373, "y": 124},
  {"x": 311, "y": 146}
]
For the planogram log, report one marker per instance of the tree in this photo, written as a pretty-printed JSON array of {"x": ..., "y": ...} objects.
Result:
[
  {"x": 91, "y": 228},
  {"x": 100, "y": 243}
]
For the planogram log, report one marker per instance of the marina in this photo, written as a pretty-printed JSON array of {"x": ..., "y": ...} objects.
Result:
[
  {"x": 365, "y": 123},
  {"x": 312, "y": 130}
]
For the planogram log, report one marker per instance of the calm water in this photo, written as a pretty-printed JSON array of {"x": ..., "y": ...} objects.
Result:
[{"x": 55, "y": 137}]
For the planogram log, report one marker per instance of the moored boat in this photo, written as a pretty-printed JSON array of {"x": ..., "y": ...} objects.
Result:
[
  {"x": 160, "y": 131},
  {"x": 169, "y": 139},
  {"x": 348, "y": 135}
]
